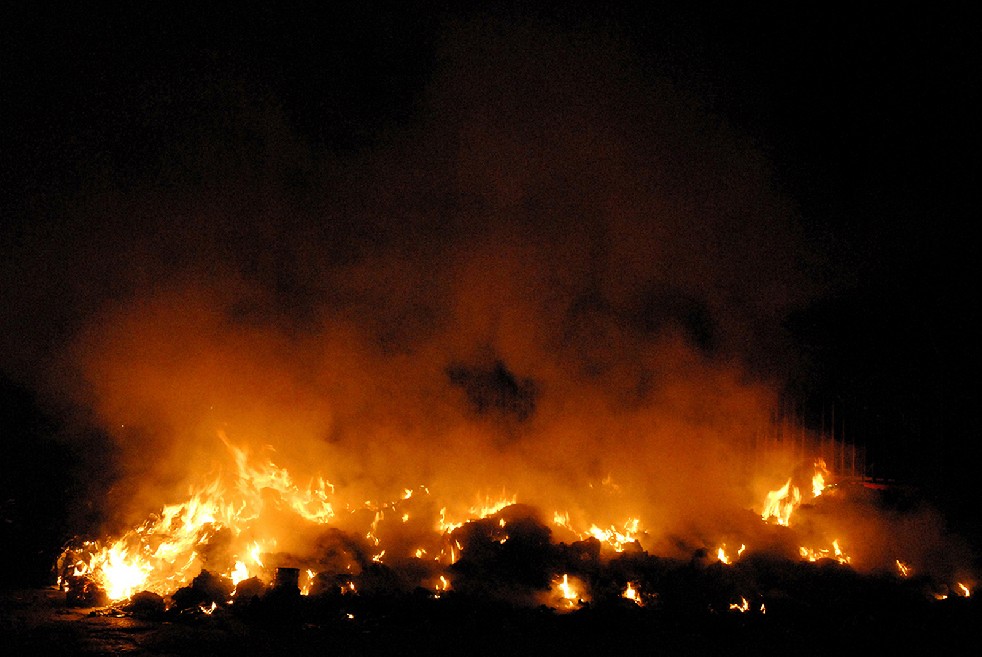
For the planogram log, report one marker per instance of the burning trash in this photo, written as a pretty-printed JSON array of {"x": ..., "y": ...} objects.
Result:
[{"x": 217, "y": 552}]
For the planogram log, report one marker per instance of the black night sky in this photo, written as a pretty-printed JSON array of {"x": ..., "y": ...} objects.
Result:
[{"x": 866, "y": 123}]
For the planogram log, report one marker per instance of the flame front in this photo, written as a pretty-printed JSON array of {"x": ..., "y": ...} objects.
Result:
[{"x": 233, "y": 526}]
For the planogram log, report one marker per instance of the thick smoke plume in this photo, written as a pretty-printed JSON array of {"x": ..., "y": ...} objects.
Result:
[{"x": 561, "y": 280}]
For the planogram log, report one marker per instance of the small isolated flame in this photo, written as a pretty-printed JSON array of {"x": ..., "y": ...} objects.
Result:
[
  {"x": 633, "y": 594},
  {"x": 442, "y": 585},
  {"x": 724, "y": 558},
  {"x": 567, "y": 593},
  {"x": 742, "y": 606},
  {"x": 904, "y": 568}
]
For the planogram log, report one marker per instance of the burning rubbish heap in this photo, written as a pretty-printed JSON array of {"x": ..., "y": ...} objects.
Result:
[{"x": 230, "y": 548}]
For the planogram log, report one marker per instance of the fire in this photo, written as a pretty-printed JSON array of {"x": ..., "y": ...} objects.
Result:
[
  {"x": 310, "y": 575},
  {"x": 567, "y": 593},
  {"x": 123, "y": 575},
  {"x": 810, "y": 554},
  {"x": 724, "y": 558},
  {"x": 818, "y": 479},
  {"x": 446, "y": 527},
  {"x": 165, "y": 552},
  {"x": 239, "y": 573},
  {"x": 780, "y": 503},
  {"x": 222, "y": 527},
  {"x": 614, "y": 537},
  {"x": 960, "y": 589},
  {"x": 488, "y": 507},
  {"x": 491, "y": 507},
  {"x": 632, "y": 594}
]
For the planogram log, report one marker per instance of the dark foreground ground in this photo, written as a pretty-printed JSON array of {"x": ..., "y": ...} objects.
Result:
[{"x": 38, "y": 622}]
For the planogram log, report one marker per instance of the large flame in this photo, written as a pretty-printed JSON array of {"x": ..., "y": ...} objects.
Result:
[{"x": 234, "y": 525}]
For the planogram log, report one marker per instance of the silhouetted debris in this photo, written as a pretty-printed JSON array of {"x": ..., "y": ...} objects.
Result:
[
  {"x": 147, "y": 605},
  {"x": 80, "y": 591},
  {"x": 205, "y": 589},
  {"x": 501, "y": 596},
  {"x": 248, "y": 590}
]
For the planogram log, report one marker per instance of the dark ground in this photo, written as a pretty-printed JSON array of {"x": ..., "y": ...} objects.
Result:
[{"x": 825, "y": 610}]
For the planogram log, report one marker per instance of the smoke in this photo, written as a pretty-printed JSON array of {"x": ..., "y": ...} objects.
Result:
[{"x": 561, "y": 278}]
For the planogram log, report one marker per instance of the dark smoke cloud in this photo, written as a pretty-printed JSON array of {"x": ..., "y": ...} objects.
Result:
[{"x": 561, "y": 270}]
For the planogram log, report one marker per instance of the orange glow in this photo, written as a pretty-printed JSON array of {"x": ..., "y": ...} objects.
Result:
[{"x": 633, "y": 594}]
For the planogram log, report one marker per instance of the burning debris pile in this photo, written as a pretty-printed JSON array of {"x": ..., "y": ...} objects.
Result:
[
  {"x": 227, "y": 550},
  {"x": 519, "y": 353}
]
